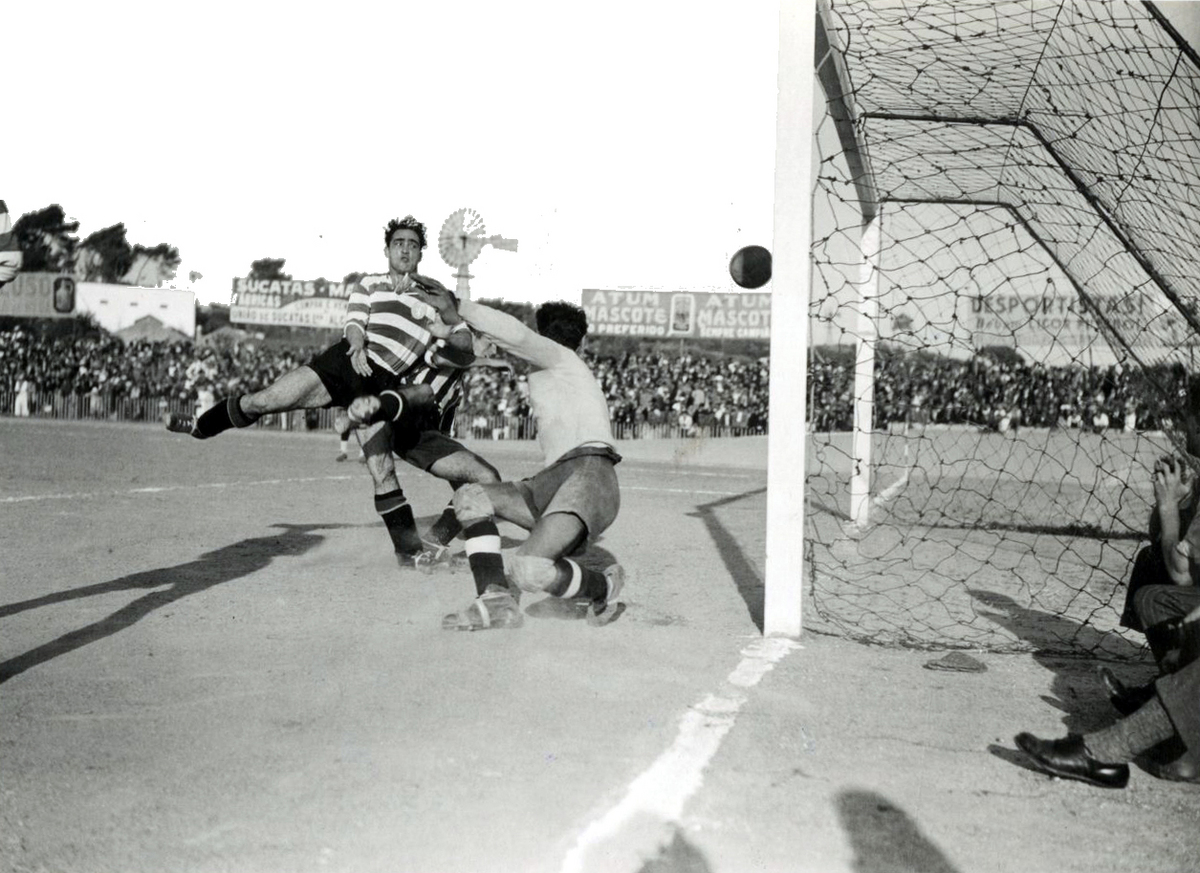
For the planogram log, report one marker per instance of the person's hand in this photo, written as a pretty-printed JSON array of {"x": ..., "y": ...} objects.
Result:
[
  {"x": 437, "y": 326},
  {"x": 442, "y": 301},
  {"x": 358, "y": 360},
  {"x": 362, "y": 409},
  {"x": 1172, "y": 480},
  {"x": 428, "y": 282}
]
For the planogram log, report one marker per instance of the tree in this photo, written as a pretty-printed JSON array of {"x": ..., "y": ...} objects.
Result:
[
  {"x": 212, "y": 316},
  {"x": 104, "y": 256},
  {"x": 153, "y": 266},
  {"x": 269, "y": 270},
  {"x": 47, "y": 240}
]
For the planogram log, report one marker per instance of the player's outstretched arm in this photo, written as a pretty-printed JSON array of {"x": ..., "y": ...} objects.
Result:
[
  {"x": 456, "y": 351},
  {"x": 512, "y": 334},
  {"x": 502, "y": 329}
]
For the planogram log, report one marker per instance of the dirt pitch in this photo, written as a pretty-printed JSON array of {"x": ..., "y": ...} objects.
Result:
[{"x": 210, "y": 663}]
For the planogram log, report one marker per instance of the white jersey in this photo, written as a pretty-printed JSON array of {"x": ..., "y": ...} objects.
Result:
[{"x": 567, "y": 402}]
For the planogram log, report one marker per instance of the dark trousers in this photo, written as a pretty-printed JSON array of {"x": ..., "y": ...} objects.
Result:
[{"x": 1180, "y": 696}]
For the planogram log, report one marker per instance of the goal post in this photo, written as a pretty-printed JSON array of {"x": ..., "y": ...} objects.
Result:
[{"x": 791, "y": 284}]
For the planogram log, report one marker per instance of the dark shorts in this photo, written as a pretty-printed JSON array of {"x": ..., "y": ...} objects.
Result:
[
  {"x": 582, "y": 482},
  {"x": 332, "y": 367},
  {"x": 423, "y": 448}
]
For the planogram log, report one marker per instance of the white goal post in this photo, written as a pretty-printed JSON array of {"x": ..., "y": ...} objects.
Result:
[{"x": 791, "y": 290}]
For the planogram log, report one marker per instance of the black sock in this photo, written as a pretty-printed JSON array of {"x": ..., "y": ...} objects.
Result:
[
  {"x": 446, "y": 527},
  {"x": 223, "y": 415},
  {"x": 483, "y": 554},
  {"x": 397, "y": 516},
  {"x": 572, "y": 580}
]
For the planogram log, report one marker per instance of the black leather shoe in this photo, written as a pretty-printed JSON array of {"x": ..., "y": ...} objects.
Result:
[
  {"x": 1124, "y": 699},
  {"x": 1068, "y": 758}
]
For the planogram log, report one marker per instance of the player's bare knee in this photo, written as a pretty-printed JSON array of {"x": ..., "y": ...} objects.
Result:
[
  {"x": 485, "y": 473},
  {"x": 531, "y": 572},
  {"x": 471, "y": 503}
]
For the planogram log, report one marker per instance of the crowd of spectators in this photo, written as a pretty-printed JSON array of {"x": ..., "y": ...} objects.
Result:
[
  {"x": 108, "y": 371},
  {"x": 980, "y": 391},
  {"x": 649, "y": 393}
]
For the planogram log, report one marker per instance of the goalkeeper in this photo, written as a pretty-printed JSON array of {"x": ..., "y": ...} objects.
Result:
[{"x": 573, "y": 499}]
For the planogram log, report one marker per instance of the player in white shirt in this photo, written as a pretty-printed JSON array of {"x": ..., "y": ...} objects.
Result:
[{"x": 573, "y": 499}]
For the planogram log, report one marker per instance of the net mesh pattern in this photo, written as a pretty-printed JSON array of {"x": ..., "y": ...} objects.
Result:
[{"x": 1035, "y": 173}]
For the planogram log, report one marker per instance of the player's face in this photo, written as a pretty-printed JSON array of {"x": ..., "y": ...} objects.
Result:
[{"x": 404, "y": 251}]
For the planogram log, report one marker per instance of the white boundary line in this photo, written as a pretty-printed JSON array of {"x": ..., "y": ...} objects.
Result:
[
  {"x": 636, "y": 829},
  {"x": 165, "y": 488}
]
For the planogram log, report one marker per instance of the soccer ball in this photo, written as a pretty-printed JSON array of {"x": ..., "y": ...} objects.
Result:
[{"x": 750, "y": 267}]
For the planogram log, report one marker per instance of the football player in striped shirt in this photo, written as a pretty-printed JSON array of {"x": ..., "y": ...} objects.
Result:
[{"x": 386, "y": 346}]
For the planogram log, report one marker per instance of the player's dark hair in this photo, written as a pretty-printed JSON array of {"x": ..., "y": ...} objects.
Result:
[
  {"x": 563, "y": 322},
  {"x": 405, "y": 223}
]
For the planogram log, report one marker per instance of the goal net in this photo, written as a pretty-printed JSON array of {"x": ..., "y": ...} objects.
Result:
[{"x": 1006, "y": 271}]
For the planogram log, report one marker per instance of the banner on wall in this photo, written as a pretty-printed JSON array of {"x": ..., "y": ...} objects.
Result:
[
  {"x": 1038, "y": 321},
  {"x": 296, "y": 303},
  {"x": 38, "y": 295},
  {"x": 678, "y": 314}
]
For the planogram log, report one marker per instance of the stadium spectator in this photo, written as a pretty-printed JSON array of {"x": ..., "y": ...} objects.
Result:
[{"x": 21, "y": 404}]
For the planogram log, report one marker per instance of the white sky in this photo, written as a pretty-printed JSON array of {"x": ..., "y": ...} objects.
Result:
[{"x": 630, "y": 144}]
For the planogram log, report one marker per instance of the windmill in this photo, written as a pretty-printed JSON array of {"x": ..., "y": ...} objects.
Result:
[{"x": 460, "y": 241}]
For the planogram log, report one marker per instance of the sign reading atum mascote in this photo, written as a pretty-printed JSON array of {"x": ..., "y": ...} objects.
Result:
[{"x": 682, "y": 314}]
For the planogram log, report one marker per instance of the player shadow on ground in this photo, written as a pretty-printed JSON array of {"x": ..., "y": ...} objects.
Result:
[
  {"x": 1075, "y": 688},
  {"x": 210, "y": 569},
  {"x": 885, "y": 839},
  {"x": 745, "y": 575}
]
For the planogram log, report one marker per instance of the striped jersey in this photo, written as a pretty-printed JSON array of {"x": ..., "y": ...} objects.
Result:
[{"x": 393, "y": 321}]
